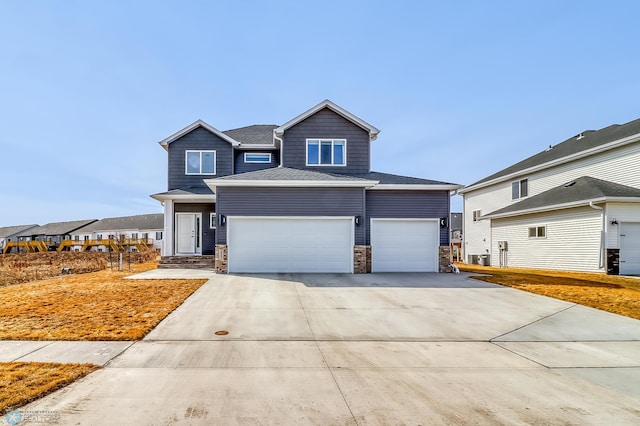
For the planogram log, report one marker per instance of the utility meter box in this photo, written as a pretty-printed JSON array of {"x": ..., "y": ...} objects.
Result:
[{"x": 503, "y": 246}]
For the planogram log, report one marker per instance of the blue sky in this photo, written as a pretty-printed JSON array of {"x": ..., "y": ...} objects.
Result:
[{"x": 460, "y": 89}]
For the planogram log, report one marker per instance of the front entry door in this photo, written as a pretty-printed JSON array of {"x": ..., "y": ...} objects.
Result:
[{"x": 188, "y": 233}]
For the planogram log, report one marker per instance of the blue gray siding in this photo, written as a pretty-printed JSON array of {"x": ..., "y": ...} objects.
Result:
[
  {"x": 208, "y": 233},
  {"x": 408, "y": 204},
  {"x": 327, "y": 124},
  {"x": 242, "y": 167},
  {"x": 243, "y": 201},
  {"x": 198, "y": 139}
]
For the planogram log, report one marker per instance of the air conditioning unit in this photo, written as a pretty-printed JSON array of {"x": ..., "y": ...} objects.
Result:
[{"x": 503, "y": 246}]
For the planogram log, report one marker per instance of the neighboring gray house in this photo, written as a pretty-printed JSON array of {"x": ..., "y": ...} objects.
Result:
[
  {"x": 10, "y": 233},
  {"x": 572, "y": 206},
  {"x": 299, "y": 197}
]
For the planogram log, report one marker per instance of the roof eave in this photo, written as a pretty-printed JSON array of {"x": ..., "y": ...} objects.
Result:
[
  {"x": 213, "y": 183},
  {"x": 545, "y": 208},
  {"x": 183, "y": 197},
  {"x": 373, "y": 131},
  {"x": 566, "y": 159},
  {"x": 418, "y": 187}
]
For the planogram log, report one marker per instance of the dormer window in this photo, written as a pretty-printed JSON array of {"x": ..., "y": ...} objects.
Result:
[
  {"x": 200, "y": 162},
  {"x": 519, "y": 189},
  {"x": 326, "y": 152}
]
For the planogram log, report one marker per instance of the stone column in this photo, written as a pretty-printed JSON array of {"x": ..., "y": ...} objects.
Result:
[
  {"x": 444, "y": 258},
  {"x": 222, "y": 266}
]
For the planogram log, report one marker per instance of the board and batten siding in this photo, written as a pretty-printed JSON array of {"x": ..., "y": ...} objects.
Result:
[
  {"x": 199, "y": 139},
  {"x": 572, "y": 242},
  {"x": 242, "y": 167},
  {"x": 329, "y": 125},
  {"x": 208, "y": 233},
  {"x": 247, "y": 201},
  {"x": 408, "y": 205}
]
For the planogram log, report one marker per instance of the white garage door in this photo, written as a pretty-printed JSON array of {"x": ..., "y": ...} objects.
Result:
[
  {"x": 290, "y": 244},
  {"x": 629, "y": 248},
  {"x": 404, "y": 245}
]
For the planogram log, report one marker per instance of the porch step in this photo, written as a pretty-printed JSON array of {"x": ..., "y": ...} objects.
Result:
[{"x": 187, "y": 262}]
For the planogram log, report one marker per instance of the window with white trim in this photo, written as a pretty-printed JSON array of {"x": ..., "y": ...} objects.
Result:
[
  {"x": 257, "y": 157},
  {"x": 538, "y": 232},
  {"x": 519, "y": 189},
  {"x": 158, "y": 235},
  {"x": 200, "y": 162},
  {"x": 212, "y": 220},
  {"x": 476, "y": 215},
  {"x": 326, "y": 152}
]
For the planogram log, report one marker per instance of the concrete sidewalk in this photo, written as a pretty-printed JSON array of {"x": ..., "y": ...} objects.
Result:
[{"x": 359, "y": 349}]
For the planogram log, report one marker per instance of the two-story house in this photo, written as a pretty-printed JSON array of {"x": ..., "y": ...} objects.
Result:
[
  {"x": 299, "y": 197},
  {"x": 573, "y": 206}
]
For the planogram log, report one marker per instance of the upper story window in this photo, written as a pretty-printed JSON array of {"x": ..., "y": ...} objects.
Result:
[
  {"x": 326, "y": 152},
  {"x": 519, "y": 189},
  {"x": 538, "y": 232},
  {"x": 257, "y": 157},
  {"x": 200, "y": 162},
  {"x": 476, "y": 215}
]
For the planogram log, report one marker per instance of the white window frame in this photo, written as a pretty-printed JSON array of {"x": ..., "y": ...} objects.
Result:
[
  {"x": 267, "y": 158},
  {"x": 333, "y": 142},
  {"x": 519, "y": 184},
  {"x": 158, "y": 235},
  {"x": 536, "y": 230},
  {"x": 186, "y": 162},
  {"x": 212, "y": 220},
  {"x": 476, "y": 215}
]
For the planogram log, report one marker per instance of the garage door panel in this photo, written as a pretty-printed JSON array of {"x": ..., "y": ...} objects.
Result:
[
  {"x": 284, "y": 244},
  {"x": 409, "y": 245}
]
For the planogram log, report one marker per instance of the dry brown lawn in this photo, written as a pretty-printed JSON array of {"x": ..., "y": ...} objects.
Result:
[
  {"x": 23, "y": 382},
  {"x": 96, "y": 306},
  {"x": 620, "y": 295}
]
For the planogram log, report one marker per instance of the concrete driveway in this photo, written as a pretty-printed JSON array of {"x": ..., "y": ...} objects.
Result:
[{"x": 383, "y": 349}]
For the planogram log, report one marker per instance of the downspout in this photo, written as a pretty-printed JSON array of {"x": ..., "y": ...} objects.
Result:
[
  {"x": 601, "y": 260},
  {"x": 275, "y": 136}
]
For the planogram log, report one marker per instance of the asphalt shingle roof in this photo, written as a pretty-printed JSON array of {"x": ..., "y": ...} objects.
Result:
[
  {"x": 8, "y": 231},
  {"x": 390, "y": 179},
  {"x": 287, "y": 173},
  {"x": 573, "y": 145},
  {"x": 144, "y": 221},
  {"x": 57, "y": 228},
  {"x": 192, "y": 190},
  {"x": 585, "y": 188},
  {"x": 258, "y": 134}
]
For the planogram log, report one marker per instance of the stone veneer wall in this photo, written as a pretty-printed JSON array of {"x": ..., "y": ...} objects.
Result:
[
  {"x": 361, "y": 259},
  {"x": 444, "y": 258},
  {"x": 222, "y": 266}
]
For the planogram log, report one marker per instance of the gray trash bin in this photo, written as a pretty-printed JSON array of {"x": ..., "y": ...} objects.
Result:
[{"x": 484, "y": 260}]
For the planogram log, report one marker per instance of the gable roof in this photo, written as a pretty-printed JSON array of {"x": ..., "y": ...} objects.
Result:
[
  {"x": 191, "y": 127},
  {"x": 144, "y": 221},
  {"x": 57, "y": 228},
  {"x": 373, "y": 132},
  {"x": 582, "y": 144},
  {"x": 575, "y": 193},
  {"x": 258, "y": 134},
  {"x": 289, "y": 177},
  {"x": 9, "y": 231}
]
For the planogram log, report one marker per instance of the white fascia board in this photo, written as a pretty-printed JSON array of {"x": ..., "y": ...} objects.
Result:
[
  {"x": 196, "y": 198},
  {"x": 198, "y": 123},
  {"x": 545, "y": 209},
  {"x": 425, "y": 187},
  {"x": 611, "y": 145},
  {"x": 213, "y": 183},
  {"x": 249, "y": 147},
  {"x": 373, "y": 132}
]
